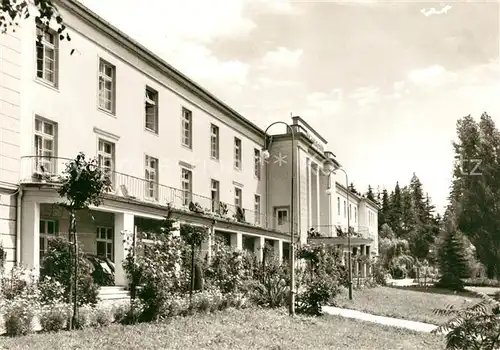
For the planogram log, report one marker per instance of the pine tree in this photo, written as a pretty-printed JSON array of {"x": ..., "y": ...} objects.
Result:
[
  {"x": 452, "y": 259},
  {"x": 353, "y": 189},
  {"x": 383, "y": 212},
  {"x": 396, "y": 210},
  {"x": 370, "y": 195}
]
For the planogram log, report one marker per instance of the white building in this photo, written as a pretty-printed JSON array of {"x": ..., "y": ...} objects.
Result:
[{"x": 165, "y": 140}]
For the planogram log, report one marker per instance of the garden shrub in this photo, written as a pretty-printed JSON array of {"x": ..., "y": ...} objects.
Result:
[
  {"x": 158, "y": 270},
  {"x": 85, "y": 317},
  {"x": 127, "y": 313},
  {"x": 51, "y": 291},
  {"x": 103, "y": 316},
  {"x": 272, "y": 289},
  {"x": 481, "y": 282},
  {"x": 54, "y": 316},
  {"x": 19, "y": 300},
  {"x": 321, "y": 279},
  {"x": 56, "y": 264}
]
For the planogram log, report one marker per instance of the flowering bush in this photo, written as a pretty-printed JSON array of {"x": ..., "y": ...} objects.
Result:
[
  {"x": 19, "y": 297},
  {"x": 51, "y": 291},
  {"x": 53, "y": 316},
  {"x": 56, "y": 264},
  {"x": 85, "y": 317},
  {"x": 128, "y": 313},
  {"x": 321, "y": 279},
  {"x": 103, "y": 316},
  {"x": 228, "y": 268},
  {"x": 158, "y": 273}
]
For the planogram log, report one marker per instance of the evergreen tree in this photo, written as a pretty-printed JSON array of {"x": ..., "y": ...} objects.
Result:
[
  {"x": 370, "y": 195},
  {"x": 383, "y": 212},
  {"x": 396, "y": 210},
  {"x": 475, "y": 191},
  {"x": 353, "y": 189},
  {"x": 452, "y": 259}
]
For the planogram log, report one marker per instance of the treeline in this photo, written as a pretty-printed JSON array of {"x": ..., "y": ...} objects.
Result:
[{"x": 407, "y": 213}]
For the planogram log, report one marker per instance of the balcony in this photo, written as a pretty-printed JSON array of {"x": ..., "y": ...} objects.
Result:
[
  {"x": 328, "y": 231},
  {"x": 49, "y": 171}
]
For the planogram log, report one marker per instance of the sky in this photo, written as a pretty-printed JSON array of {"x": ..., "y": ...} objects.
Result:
[{"x": 383, "y": 82}]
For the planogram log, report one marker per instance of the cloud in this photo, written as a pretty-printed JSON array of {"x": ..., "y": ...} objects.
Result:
[
  {"x": 282, "y": 58},
  {"x": 266, "y": 82},
  {"x": 432, "y": 11},
  {"x": 180, "y": 35},
  {"x": 320, "y": 104},
  {"x": 278, "y": 7},
  {"x": 431, "y": 76},
  {"x": 365, "y": 95}
]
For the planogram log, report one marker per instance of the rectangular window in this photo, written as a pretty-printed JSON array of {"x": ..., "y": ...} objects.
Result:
[
  {"x": 345, "y": 209},
  {"x": 238, "y": 199},
  {"x": 151, "y": 176},
  {"x": 187, "y": 186},
  {"x": 282, "y": 217},
  {"x": 237, "y": 153},
  {"x": 46, "y": 55},
  {"x": 355, "y": 214},
  {"x": 257, "y": 210},
  {"x": 107, "y": 86},
  {"x": 214, "y": 141},
  {"x": 45, "y": 146},
  {"x": 350, "y": 211},
  {"x": 104, "y": 242},
  {"x": 151, "y": 110},
  {"x": 187, "y": 128},
  {"x": 48, "y": 228},
  {"x": 215, "y": 195},
  {"x": 338, "y": 206},
  {"x": 106, "y": 158},
  {"x": 256, "y": 164}
]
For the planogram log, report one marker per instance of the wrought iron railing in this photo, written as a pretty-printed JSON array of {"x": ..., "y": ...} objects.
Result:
[
  {"x": 37, "y": 169},
  {"x": 339, "y": 231}
]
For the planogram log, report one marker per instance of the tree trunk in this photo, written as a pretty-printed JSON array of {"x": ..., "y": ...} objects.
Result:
[
  {"x": 70, "y": 276},
  {"x": 192, "y": 274}
]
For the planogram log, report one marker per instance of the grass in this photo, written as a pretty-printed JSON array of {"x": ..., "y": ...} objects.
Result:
[
  {"x": 235, "y": 329},
  {"x": 410, "y": 303}
]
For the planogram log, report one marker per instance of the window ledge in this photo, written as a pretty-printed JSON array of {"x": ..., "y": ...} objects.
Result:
[
  {"x": 46, "y": 84},
  {"x": 107, "y": 112},
  {"x": 155, "y": 133}
]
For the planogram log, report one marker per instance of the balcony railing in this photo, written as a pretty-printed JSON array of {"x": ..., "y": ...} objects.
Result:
[
  {"x": 50, "y": 170},
  {"x": 339, "y": 231}
]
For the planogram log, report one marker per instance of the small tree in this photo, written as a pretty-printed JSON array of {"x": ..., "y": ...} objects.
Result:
[
  {"x": 452, "y": 259},
  {"x": 83, "y": 184},
  {"x": 194, "y": 237}
]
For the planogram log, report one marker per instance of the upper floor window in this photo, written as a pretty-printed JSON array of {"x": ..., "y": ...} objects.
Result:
[
  {"x": 257, "y": 209},
  {"x": 350, "y": 211},
  {"x": 238, "y": 197},
  {"x": 345, "y": 209},
  {"x": 187, "y": 186},
  {"x": 355, "y": 214},
  {"x": 256, "y": 163},
  {"x": 214, "y": 141},
  {"x": 151, "y": 176},
  {"x": 215, "y": 195},
  {"x": 151, "y": 113},
  {"x": 107, "y": 88},
  {"x": 187, "y": 128},
  {"x": 106, "y": 157},
  {"x": 282, "y": 216},
  {"x": 237, "y": 153},
  {"x": 338, "y": 206},
  {"x": 46, "y": 55},
  {"x": 45, "y": 146}
]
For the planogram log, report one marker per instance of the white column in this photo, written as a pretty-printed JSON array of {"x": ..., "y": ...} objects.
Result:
[
  {"x": 318, "y": 198},
  {"x": 237, "y": 240},
  {"x": 309, "y": 194},
  {"x": 259, "y": 245},
  {"x": 30, "y": 235},
  {"x": 124, "y": 228},
  {"x": 176, "y": 228},
  {"x": 278, "y": 250}
]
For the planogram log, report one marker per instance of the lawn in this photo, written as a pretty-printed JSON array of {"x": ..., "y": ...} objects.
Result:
[
  {"x": 408, "y": 303},
  {"x": 235, "y": 329}
]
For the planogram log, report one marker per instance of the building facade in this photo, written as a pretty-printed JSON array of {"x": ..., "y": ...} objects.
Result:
[{"x": 169, "y": 146}]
